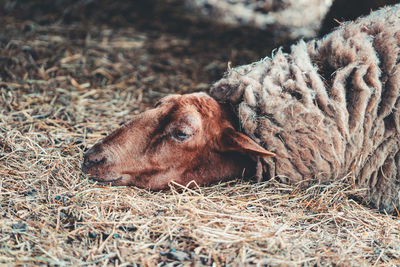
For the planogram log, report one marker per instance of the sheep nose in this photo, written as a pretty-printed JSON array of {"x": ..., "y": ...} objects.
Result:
[{"x": 94, "y": 157}]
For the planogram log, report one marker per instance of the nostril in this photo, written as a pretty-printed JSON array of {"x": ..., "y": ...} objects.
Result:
[
  {"x": 93, "y": 159},
  {"x": 98, "y": 161}
]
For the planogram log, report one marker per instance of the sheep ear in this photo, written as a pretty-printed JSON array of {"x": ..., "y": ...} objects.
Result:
[{"x": 232, "y": 140}]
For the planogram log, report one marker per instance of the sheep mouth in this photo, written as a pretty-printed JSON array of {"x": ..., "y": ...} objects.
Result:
[{"x": 105, "y": 180}]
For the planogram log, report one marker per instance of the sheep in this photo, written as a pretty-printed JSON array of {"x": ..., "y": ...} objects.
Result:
[
  {"x": 286, "y": 18},
  {"x": 328, "y": 109}
]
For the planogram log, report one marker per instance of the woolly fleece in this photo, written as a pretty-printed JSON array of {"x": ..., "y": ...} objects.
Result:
[{"x": 329, "y": 109}]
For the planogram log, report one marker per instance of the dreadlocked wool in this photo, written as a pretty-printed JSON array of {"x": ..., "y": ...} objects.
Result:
[
  {"x": 288, "y": 18},
  {"x": 329, "y": 109}
]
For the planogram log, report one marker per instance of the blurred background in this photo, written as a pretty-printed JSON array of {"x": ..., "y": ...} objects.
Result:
[{"x": 193, "y": 39}]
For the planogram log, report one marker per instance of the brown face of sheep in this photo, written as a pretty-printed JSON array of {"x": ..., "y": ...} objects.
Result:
[{"x": 184, "y": 138}]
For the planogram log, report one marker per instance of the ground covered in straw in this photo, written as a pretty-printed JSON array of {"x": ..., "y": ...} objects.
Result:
[{"x": 71, "y": 73}]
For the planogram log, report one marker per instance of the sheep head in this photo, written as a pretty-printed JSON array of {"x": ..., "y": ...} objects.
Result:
[{"x": 183, "y": 138}]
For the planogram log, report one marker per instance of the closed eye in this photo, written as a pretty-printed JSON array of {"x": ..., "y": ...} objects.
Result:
[
  {"x": 158, "y": 103},
  {"x": 181, "y": 135}
]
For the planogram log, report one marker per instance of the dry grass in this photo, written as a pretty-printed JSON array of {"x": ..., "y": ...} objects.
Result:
[{"x": 65, "y": 85}]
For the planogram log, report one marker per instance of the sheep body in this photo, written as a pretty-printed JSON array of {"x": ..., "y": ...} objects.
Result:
[{"x": 329, "y": 109}]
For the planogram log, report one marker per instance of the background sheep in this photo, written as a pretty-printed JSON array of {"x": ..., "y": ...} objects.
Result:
[
  {"x": 287, "y": 19},
  {"x": 329, "y": 108},
  {"x": 291, "y": 18}
]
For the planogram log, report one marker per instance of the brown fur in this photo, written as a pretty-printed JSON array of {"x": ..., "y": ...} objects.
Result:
[{"x": 147, "y": 151}]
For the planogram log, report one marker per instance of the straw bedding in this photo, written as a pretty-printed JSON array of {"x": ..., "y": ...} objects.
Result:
[
  {"x": 328, "y": 109},
  {"x": 68, "y": 79}
]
